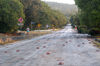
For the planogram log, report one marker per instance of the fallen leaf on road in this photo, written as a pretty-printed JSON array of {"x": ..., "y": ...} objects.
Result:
[
  {"x": 48, "y": 53},
  {"x": 5, "y": 52},
  {"x": 17, "y": 50},
  {"x": 44, "y": 46},
  {"x": 97, "y": 50},
  {"x": 66, "y": 42},
  {"x": 61, "y": 63},
  {"x": 37, "y": 47}
]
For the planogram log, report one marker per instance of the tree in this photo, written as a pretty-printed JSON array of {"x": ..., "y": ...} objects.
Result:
[
  {"x": 39, "y": 12},
  {"x": 31, "y": 10},
  {"x": 89, "y": 14},
  {"x": 10, "y": 12},
  {"x": 50, "y": 16}
]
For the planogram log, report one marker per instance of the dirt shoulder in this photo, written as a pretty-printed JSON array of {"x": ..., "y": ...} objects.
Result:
[
  {"x": 22, "y": 35},
  {"x": 97, "y": 41}
]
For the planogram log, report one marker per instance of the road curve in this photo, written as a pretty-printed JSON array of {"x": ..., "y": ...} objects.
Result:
[{"x": 62, "y": 48}]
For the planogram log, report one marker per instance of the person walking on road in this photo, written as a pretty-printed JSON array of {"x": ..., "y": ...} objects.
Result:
[
  {"x": 75, "y": 27},
  {"x": 47, "y": 26},
  {"x": 28, "y": 30}
]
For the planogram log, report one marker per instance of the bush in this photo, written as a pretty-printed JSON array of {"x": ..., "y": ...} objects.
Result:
[
  {"x": 10, "y": 12},
  {"x": 82, "y": 30},
  {"x": 94, "y": 31}
]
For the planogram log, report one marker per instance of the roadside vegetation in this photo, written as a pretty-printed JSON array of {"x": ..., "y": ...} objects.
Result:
[
  {"x": 35, "y": 14},
  {"x": 88, "y": 18},
  {"x": 10, "y": 11},
  {"x": 34, "y": 11},
  {"x": 10, "y": 38}
]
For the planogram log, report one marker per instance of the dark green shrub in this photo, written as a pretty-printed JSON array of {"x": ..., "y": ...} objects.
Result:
[{"x": 10, "y": 12}]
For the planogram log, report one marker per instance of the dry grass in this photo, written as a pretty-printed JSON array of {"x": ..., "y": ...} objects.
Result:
[
  {"x": 97, "y": 44},
  {"x": 32, "y": 34},
  {"x": 7, "y": 42}
]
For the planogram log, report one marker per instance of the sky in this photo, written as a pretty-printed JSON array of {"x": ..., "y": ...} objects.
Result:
[{"x": 61, "y": 1}]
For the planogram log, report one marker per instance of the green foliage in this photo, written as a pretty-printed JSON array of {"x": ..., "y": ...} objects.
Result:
[
  {"x": 52, "y": 16},
  {"x": 34, "y": 10},
  {"x": 89, "y": 14},
  {"x": 39, "y": 12},
  {"x": 31, "y": 9},
  {"x": 10, "y": 11}
]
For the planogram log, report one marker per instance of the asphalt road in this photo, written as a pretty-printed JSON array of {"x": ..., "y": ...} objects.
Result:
[{"x": 62, "y": 48}]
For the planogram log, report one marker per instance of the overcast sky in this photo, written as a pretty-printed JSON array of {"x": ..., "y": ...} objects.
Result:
[{"x": 62, "y": 1}]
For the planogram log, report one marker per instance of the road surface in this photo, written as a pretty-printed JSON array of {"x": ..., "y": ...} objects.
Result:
[{"x": 62, "y": 48}]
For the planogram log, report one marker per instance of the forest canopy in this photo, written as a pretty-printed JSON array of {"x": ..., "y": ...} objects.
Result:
[
  {"x": 39, "y": 12},
  {"x": 88, "y": 18},
  {"x": 31, "y": 11},
  {"x": 10, "y": 12}
]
